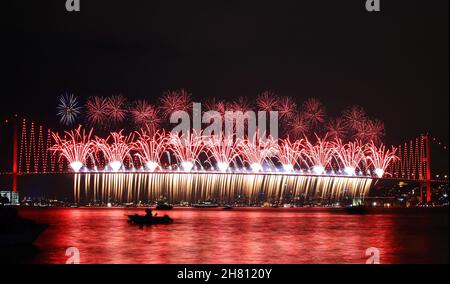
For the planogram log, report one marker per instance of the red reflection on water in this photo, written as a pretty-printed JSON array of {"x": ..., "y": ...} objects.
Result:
[{"x": 102, "y": 235}]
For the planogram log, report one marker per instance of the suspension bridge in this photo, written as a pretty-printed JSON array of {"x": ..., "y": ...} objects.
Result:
[{"x": 32, "y": 156}]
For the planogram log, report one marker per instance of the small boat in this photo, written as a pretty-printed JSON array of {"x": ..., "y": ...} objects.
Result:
[
  {"x": 149, "y": 220},
  {"x": 356, "y": 209},
  {"x": 206, "y": 204},
  {"x": 227, "y": 207},
  {"x": 163, "y": 206}
]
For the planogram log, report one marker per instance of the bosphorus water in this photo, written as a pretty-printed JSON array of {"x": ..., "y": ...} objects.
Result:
[{"x": 241, "y": 235}]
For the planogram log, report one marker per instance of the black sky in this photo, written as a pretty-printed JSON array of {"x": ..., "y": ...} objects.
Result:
[{"x": 393, "y": 63}]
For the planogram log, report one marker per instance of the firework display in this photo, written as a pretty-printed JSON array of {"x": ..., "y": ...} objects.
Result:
[
  {"x": 76, "y": 147},
  {"x": 68, "y": 109},
  {"x": 314, "y": 149},
  {"x": 97, "y": 110},
  {"x": 128, "y": 169},
  {"x": 144, "y": 114},
  {"x": 178, "y": 100},
  {"x": 116, "y": 108},
  {"x": 287, "y": 108},
  {"x": 240, "y": 187},
  {"x": 151, "y": 148},
  {"x": 224, "y": 139},
  {"x": 223, "y": 149},
  {"x": 114, "y": 113},
  {"x": 267, "y": 101},
  {"x": 321, "y": 156}
]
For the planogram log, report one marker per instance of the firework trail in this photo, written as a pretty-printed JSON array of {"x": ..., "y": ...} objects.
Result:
[
  {"x": 319, "y": 154},
  {"x": 76, "y": 147},
  {"x": 150, "y": 148},
  {"x": 350, "y": 158},
  {"x": 187, "y": 149},
  {"x": 290, "y": 154},
  {"x": 380, "y": 158},
  {"x": 351, "y": 155},
  {"x": 257, "y": 151},
  {"x": 222, "y": 149},
  {"x": 116, "y": 149},
  {"x": 68, "y": 109}
]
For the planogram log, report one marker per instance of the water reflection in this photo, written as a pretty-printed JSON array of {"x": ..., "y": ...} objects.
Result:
[{"x": 241, "y": 236}]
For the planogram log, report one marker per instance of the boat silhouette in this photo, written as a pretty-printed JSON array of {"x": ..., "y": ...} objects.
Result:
[{"x": 149, "y": 219}]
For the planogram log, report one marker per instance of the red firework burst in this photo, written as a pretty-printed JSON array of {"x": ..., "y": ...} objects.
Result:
[
  {"x": 314, "y": 111},
  {"x": 286, "y": 108},
  {"x": 116, "y": 108},
  {"x": 354, "y": 117},
  {"x": 240, "y": 104},
  {"x": 144, "y": 114},
  {"x": 214, "y": 104},
  {"x": 375, "y": 131},
  {"x": 178, "y": 100},
  {"x": 214, "y": 108},
  {"x": 267, "y": 101},
  {"x": 362, "y": 131},
  {"x": 298, "y": 127},
  {"x": 97, "y": 110},
  {"x": 336, "y": 129}
]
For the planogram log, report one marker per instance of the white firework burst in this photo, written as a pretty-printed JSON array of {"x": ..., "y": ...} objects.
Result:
[{"x": 68, "y": 109}]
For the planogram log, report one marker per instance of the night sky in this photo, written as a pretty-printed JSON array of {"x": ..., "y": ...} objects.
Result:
[{"x": 393, "y": 63}]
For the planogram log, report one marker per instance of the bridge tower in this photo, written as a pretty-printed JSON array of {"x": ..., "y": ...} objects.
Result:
[
  {"x": 15, "y": 171},
  {"x": 428, "y": 165},
  {"x": 426, "y": 180}
]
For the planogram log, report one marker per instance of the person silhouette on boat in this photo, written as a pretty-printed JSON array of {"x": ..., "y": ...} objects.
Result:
[{"x": 148, "y": 213}]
